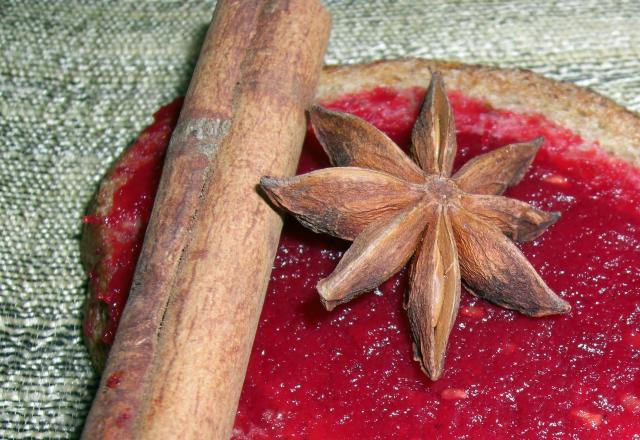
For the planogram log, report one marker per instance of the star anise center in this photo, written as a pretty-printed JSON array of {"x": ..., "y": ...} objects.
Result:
[{"x": 443, "y": 189}]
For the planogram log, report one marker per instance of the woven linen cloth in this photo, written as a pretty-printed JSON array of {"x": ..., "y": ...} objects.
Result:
[{"x": 79, "y": 80}]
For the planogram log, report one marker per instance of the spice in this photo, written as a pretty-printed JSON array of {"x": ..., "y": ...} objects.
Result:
[
  {"x": 185, "y": 336},
  {"x": 395, "y": 209}
]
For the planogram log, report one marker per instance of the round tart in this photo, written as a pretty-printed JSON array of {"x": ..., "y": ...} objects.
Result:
[{"x": 349, "y": 373}]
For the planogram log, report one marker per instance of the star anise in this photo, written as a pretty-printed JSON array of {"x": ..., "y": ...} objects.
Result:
[{"x": 394, "y": 208}]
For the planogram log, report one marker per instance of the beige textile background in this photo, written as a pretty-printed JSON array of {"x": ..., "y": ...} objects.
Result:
[{"x": 79, "y": 80}]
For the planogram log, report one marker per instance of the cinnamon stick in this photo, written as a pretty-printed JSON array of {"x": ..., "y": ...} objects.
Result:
[{"x": 177, "y": 364}]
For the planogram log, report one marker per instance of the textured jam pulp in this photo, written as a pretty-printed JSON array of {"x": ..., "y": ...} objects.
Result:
[
  {"x": 138, "y": 172},
  {"x": 349, "y": 373}
]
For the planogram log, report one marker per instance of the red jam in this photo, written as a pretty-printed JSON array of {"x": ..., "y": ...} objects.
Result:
[
  {"x": 139, "y": 172},
  {"x": 114, "y": 380},
  {"x": 349, "y": 373}
]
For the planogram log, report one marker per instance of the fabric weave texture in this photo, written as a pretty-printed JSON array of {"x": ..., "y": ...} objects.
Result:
[{"x": 80, "y": 79}]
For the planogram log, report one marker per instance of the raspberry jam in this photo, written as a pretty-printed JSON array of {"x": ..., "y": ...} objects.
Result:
[
  {"x": 137, "y": 174},
  {"x": 349, "y": 373}
]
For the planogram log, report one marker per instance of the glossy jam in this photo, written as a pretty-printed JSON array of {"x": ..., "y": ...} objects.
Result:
[
  {"x": 138, "y": 173},
  {"x": 349, "y": 373}
]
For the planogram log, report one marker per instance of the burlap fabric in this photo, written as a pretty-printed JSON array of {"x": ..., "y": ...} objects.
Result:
[{"x": 79, "y": 80}]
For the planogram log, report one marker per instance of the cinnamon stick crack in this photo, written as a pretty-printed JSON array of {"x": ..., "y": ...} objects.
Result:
[{"x": 395, "y": 209}]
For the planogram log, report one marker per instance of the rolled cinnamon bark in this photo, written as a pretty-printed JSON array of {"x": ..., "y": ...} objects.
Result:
[{"x": 177, "y": 364}]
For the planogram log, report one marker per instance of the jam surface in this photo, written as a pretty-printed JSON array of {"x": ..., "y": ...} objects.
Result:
[
  {"x": 138, "y": 172},
  {"x": 349, "y": 373}
]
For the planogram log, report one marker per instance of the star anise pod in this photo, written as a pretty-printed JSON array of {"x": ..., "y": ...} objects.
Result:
[{"x": 394, "y": 209}]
